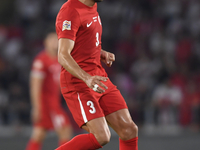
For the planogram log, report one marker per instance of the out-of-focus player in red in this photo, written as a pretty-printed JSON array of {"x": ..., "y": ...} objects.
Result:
[
  {"x": 47, "y": 112},
  {"x": 93, "y": 100}
]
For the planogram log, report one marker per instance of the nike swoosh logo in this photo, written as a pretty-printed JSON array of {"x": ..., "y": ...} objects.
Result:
[{"x": 88, "y": 25}]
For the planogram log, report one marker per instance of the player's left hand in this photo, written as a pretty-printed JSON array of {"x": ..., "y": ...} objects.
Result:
[{"x": 107, "y": 58}]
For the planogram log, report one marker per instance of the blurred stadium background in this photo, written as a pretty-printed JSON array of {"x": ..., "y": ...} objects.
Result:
[{"x": 157, "y": 68}]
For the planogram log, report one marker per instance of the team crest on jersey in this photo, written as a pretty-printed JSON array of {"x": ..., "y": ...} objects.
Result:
[{"x": 66, "y": 25}]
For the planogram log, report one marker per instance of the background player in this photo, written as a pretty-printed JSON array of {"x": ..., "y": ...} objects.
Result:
[
  {"x": 47, "y": 112},
  {"x": 90, "y": 95}
]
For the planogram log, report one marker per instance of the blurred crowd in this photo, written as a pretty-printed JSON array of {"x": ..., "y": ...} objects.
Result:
[{"x": 157, "y": 48}]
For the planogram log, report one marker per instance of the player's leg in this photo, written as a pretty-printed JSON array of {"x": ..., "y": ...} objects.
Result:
[
  {"x": 37, "y": 137},
  {"x": 39, "y": 130},
  {"x": 62, "y": 125},
  {"x": 127, "y": 130},
  {"x": 99, "y": 128},
  {"x": 88, "y": 115},
  {"x": 64, "y": 134},
  {"x": 98, "y": 136},
  {"x": 118, "y": 117},
  {"x": 123, "y": 124}
]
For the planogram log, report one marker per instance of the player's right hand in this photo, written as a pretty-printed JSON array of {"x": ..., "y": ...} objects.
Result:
[
  {"x": 92, "y": 80},
  {"x": 35, "y": 115}
]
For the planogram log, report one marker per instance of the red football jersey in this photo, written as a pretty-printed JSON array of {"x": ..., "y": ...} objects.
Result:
[
  {"x": 49, "y": 69},
  {"x": 82, "y": 24}
]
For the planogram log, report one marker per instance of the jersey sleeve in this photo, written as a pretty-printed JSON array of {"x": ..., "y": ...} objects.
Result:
[
  {"x": 38, "y": 68},
  {"x": 67, "y": 23}
]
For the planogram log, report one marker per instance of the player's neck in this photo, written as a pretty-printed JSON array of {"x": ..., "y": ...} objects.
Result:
[{"x": 89, "y": 3}]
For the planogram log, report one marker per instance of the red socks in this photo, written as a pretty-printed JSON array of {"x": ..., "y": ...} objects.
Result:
[
  {"x": 85, "y": 141},
  {"x": 32, "y": 145},
  {"x": 131, "y": 144},
  {"x": 81, "y": 142}
]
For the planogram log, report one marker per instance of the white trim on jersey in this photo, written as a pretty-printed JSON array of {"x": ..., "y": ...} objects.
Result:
[
  {"x": 95, "y": 19},
  {"x": 82, "y": 110},
  {"x": 37, "y": 74}
]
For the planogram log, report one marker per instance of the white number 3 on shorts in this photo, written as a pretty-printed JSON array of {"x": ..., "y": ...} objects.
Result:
[{"x": 91, "y": 104}]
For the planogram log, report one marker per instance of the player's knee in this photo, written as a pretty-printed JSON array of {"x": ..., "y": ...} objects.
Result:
[
  {"x": 104, "y": 138},
  {"x": 64, "y": 133},
  {"x": 129, "y": 131},
  {"x": 38, "y": 134}
]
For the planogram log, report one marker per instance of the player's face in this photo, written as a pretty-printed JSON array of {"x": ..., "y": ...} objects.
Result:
[
  {"x": 51, "y": 43},
  {"x": 98, "y": 0}
]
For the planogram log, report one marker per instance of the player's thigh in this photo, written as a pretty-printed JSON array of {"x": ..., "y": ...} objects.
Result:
[
  {"x": 112, "y": 100},
  {"x": 45, "y": 119},
  {"x": 99, "y": 128},
  {"x": 38, "y": 134},
  {"x": 123, "y": 124},
  {"x": 61, "y": 123},
  {"x": 59, "y": 118},
  {"x": 117, "y": 114},
  {"x": 83, "y": 105},
  {"x": 65, "y": 132}
]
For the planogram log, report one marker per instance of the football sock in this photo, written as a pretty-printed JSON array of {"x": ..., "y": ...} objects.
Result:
[
  {"x": 131, "y": 144},
  {"x": 81, "y": 142},
  {"x": 32, "y": 145},
  {"x": 61, "y": 142}
]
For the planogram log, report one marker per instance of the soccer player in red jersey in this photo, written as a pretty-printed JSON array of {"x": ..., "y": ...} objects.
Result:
[
  {"x": 91, "y": 97},
  {"x": 47, "y": 112}
]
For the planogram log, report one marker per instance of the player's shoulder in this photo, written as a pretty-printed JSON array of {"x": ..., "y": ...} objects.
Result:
[
  {"x": 41, "y": 57},
  {"x": 68, "y": 6},
  {"x": 71, "y": 7},
  {"x": 40, "y": 60}
]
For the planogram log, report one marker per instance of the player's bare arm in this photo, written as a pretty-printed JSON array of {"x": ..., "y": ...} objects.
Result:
[
  {"x": 65, "y": 47},
  {"x": 35, "y": 91},
  {"x": 107, "y": 58}
]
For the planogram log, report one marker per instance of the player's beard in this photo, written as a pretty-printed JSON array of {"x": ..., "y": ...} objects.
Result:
[{"x": 98, "y": 0}]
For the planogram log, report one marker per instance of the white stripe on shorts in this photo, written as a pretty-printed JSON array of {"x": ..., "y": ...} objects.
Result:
[{"x": 82, "y": 110}]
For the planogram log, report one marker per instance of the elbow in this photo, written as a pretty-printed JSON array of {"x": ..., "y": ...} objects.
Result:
[{"x": 60, "y": 59}]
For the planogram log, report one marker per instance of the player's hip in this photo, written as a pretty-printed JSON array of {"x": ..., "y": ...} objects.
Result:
[
  {"x": 78, "y": 86},
  {"x": 87, "y": 104},
  {"x": 68, "y": 79}
]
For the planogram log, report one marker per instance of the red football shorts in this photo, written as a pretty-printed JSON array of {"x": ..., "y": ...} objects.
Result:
[
  {"x": 86, "y": 104},
  {"x": 52, "y": 117}
]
